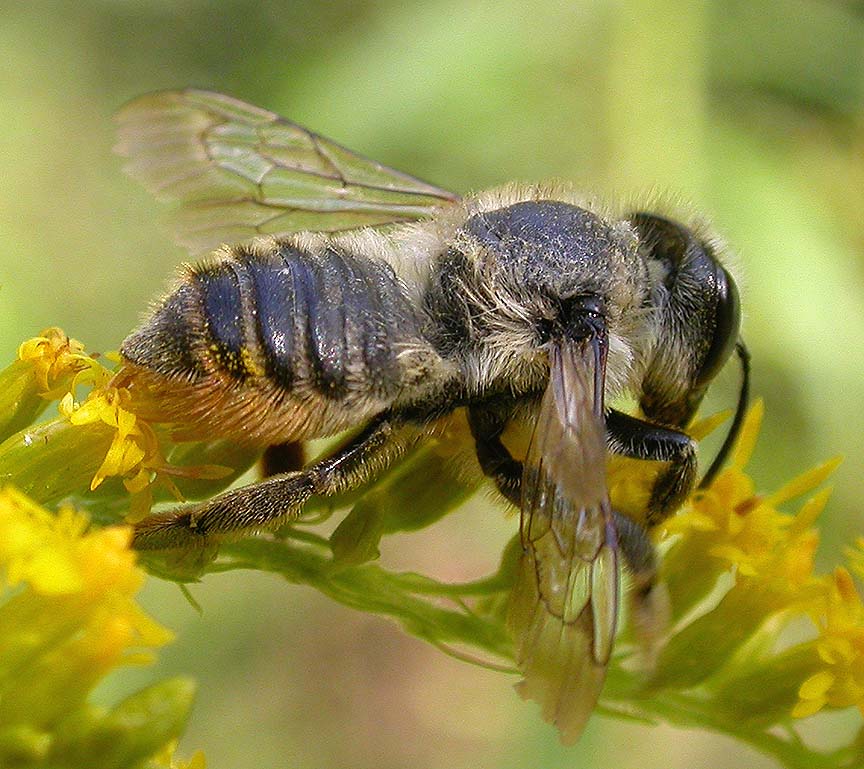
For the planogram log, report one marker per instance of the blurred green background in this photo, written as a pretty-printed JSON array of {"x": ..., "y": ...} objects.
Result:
[{"x": 752, "y": 113}]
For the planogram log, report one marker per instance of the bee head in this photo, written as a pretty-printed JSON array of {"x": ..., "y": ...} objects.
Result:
[{"x": 699, "y": 317}]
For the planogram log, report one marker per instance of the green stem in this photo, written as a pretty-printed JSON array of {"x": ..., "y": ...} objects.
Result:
[{"x": 692, "y": 711}]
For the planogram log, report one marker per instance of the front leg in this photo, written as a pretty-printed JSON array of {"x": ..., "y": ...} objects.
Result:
[
  {"x": 624, "y": 435},
  {"x": 635, "y": 438},
  {"x": 281, "y": 497},
  {"x": 487, "y": 423}
]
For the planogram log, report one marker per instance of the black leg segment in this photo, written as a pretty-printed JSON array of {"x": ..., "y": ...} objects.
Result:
[
  {"x": 487, "y": 423},
  {"x": 625, "y": 435},
  {"x": 635, "y": 438}
]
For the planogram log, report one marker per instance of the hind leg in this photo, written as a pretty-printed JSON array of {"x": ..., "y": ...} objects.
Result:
[{"x": 265, "y": 504}]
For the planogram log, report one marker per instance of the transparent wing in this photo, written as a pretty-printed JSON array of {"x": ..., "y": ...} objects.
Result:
[
  {"x": 564, "y": 608},
  {"x": 241, "y": 171}
]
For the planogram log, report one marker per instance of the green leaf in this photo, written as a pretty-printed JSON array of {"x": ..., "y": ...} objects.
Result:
[
  {"x": 20, "y": 402},
  {"x": 55, "y": 459},
  {"x": 132, "y": 732},
  {"x": 23, "y": 745},
  {"x": 355, "y": 540},
  {"x": 415, "y": 494},
  {"x": 701, "y": 648},
  {"x": 765, "y": 691},
  {"x": 410, "y": 599}
]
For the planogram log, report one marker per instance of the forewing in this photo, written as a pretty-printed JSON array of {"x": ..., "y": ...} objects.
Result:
[
  {"x": 563, "y": 611},
  {"x": 239, "y": 171}
]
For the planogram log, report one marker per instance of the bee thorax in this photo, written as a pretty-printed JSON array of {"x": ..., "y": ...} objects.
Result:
[{"x": 515, "y": 277}]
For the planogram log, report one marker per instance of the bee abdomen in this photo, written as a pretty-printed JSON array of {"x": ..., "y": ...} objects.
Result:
[
  {"x": 222, "y": 308},
  {"x": 330, "y": 321},
  {"x": 323, "y": 334}
]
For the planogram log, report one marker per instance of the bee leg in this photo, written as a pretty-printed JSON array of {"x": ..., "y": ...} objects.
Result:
[
  {"x": 649, "y": 603},
  {"x": 282, "y": 458},
  {"x": 626, "y": 435},
  {"x": 281, "y": 497},
  {"x": 638, "y": 552},
  {"x": 635, "y": 438},
  {"x": 487, "y": 423}
]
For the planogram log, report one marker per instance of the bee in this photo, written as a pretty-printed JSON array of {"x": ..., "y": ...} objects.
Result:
[{"x": 354, "y": 296}]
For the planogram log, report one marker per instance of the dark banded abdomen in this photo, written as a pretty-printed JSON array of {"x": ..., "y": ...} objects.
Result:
[{"x": 274, "y": 343}]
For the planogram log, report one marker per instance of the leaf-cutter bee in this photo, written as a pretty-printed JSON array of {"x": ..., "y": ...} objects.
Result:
[{"x": 355, "y": 296}]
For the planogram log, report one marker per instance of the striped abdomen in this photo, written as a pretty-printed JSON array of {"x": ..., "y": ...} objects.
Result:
[{"x": 272, "y": 343}]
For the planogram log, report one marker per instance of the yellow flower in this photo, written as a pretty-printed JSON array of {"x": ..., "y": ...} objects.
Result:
[
  {"x": 767, "y": 558},
  {"x": 736, "y": 528},
  {"x": 855, "y": 555},
  {"x": 99, "y": 434},
  {"x": 59, "y": 366},
  {"x": 134, "y": 447},
  {"x": 67, "y": 618},
  {"x": 840, "y": 646},
  {"x": 134, "y": 453},
  {"x": 168, "y": 760},
  {"x": 46, "y": 367},
  {"x": 60, "y": 363},
  {"x": 196, "y": 762}
]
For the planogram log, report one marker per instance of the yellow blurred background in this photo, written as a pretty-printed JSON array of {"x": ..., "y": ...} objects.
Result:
[{"x": 751, "y": 113}]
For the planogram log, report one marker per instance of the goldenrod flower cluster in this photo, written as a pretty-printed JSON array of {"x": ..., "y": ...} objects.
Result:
[
  {"x": 68, "y": 618},
  {"x": 734, "y": 653},
  {"x": 96, "y": 443},
  {"x": 756, "y": 639}
]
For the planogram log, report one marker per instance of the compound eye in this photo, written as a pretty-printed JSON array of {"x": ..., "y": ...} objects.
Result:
[{"x": 727, "y": 320}]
